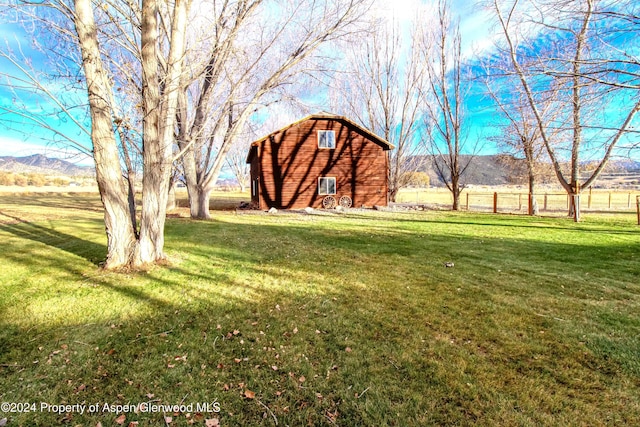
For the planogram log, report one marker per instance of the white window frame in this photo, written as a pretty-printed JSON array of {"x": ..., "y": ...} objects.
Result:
[
  {"x": 254, "y": 187},
  {"x": 325, "y": 191},
  {"x": 326, "y": 139}
]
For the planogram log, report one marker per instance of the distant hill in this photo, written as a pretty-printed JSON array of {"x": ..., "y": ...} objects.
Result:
[
  {"x": 41, "y": 164},
  {"x": 503, "y": 169}
]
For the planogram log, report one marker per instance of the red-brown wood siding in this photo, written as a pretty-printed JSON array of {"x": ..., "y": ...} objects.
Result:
[{"x": 289, "y": 163}]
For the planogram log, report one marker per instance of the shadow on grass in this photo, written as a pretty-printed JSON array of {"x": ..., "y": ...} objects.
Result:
[
  {"x": 91, "y": 251},
  {"x": 363, "y": 327},
  {"x": 89, "y": 202}
]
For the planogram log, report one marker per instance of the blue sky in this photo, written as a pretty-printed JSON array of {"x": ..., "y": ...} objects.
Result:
[{"x": 19, "y": 138}]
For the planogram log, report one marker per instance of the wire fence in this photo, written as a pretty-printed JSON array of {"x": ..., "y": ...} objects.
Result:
[
  {"x": 549, "y": 202},
  {"x": 522, "y": 202}
]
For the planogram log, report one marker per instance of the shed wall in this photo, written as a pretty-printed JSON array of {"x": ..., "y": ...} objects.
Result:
[{"x": 290, "y": 163}]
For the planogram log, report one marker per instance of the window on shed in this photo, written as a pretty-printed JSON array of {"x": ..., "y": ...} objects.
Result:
[
  {"x": 326, "y": 186},
  {"x": 326, "y": 139}
]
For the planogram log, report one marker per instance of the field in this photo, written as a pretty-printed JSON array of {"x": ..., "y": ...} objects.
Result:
[{"x": 346, "y": 319}]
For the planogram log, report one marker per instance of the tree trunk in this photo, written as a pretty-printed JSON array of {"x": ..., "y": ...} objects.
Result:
[
  {"x": 533, "y": 210},
  {"x": 171, "y": 199},
  {"x": 455, "y": 192},
  {"x": 191, "y": 179},
  {"x": 121, "y": 236},
  {"x": 158, "y": 126},
  {"x": 393, "y": 193},
  {"x": 204, "y": 196}
]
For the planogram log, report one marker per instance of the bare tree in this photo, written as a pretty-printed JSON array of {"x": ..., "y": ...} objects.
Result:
[
  {"x": 520, "y": 132},
  {"x": 589, "y": 69},
  {"x": 446, "y": 134},
  {"x": 99, "y": 36},
  {"x": 237, "y": 159},
  {"x": 381, "y": 88},
  {"x": 250, "y": 58}
]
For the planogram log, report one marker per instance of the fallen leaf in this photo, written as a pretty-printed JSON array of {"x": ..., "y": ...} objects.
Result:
[
  {"x": 3, "y": 422},
  {"x": 249, "y": 394},
  {"x": 274, "y": 367},
  {"x": 150, "y": 395},
  {"x": 295, "y": 330},
  {"x": 133, "y": 424},
  {"x": 121, "y": 419},
  {"x": 170, "y": 365},
  {"x": 302, "y": 379},
  {"x": 237, "y": 360},
  {"x": 81, "y": 388},
  {"x": 168, "y": 420},
  {"x": 212, "y": 422},
  {"x": 348, "y": 350},
  {"x": 99, "y": 424},
  {"x": 236, "y": 332}
]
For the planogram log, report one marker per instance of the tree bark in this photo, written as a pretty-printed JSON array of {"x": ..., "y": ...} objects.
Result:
[
  {"x": 121, "y": 236},
  {"x": 158, "y": 126}
]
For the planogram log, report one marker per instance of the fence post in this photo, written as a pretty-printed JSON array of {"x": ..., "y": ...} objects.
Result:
[
  {"x": 545, "y": 201},
  {"x": 638, "y": 208},
  {"x": 589, "y": 202},
  {"x": 495, "y": 202},
  {"x": 530, "y": 203},
  {"x": 467, "y": 201}
]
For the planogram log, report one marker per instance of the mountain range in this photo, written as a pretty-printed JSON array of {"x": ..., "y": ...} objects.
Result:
[{"x": 38, "y": 163}]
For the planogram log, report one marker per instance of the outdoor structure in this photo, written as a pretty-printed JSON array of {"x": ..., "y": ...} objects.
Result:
[{"x": 323, "y": 160}]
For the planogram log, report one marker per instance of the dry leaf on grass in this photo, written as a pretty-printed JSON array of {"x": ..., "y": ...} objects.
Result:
[
  {"x": 121, "y": 419},
  {"x": 249, "y": 394}
]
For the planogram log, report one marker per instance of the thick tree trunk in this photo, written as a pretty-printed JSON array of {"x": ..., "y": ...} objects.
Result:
[
  {"x": 121, "y": 237},
  {"x": 158, "y": 126},
  {"x": 204, "y": 196}
]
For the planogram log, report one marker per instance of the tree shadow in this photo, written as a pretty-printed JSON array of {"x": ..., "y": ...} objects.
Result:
[
  {"x": 240, "y": 291},
  {"x": 91, "y": 251}
]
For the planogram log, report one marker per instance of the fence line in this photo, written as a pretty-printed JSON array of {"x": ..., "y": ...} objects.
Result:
[{"x": 518, "y": 202}]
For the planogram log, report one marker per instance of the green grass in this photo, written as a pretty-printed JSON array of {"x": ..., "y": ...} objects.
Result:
[{"x": 343, "y": 319}]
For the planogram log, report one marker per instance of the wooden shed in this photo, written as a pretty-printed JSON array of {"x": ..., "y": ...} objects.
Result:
[{"x": 323, "y": 160}]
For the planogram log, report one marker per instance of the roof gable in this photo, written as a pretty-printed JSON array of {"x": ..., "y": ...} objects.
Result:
[{"x": 386, "y": 145}]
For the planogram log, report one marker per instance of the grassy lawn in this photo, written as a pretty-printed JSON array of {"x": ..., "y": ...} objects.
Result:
[{"x": 344, "y": 319}]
